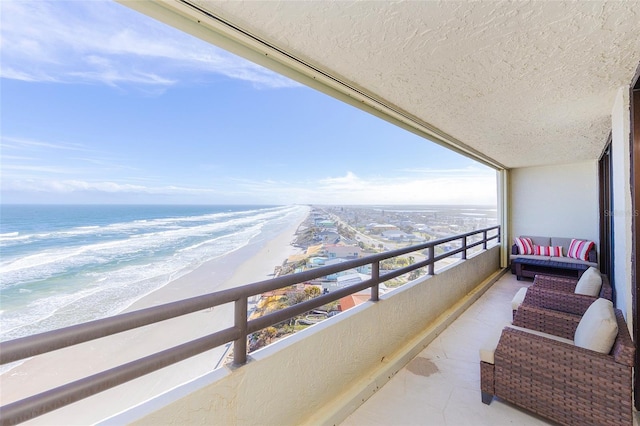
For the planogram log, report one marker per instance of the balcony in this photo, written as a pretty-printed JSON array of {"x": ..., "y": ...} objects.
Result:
[
  {"x": 351, "y": 369},
  {"x": 319, "y": 375}
]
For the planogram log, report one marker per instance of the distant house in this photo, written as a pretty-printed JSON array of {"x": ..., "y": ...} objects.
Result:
[
  {"x": 335, "y": 261},
  {"x": 364, "y": 269},
  {"x": 358, "y": 298},
  {"x": 353, "y": 300},
  {"x": 380, "y": 228},
  {"x": 344, "y": 280},
  {"x": 329, "y": 237},
  {"x": 317, "y": 250},
  {"x": 350, "y": 279},
  {"x": 396, "y": 235},
  {"x": 422, "y": 227},
  {"x": 315, "y": 262},
  {"x": 343, "y": 251},
  {"x": 325, "y": 223},
  {"x": 334, "y": 277}
]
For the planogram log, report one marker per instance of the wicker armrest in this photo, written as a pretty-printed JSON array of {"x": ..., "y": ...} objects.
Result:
[
  {"x": 541, "y": 351},
  {"x": 571, "y": 303},
  {"x": 567, "y": 285},
  {"x": 559, "y": 324},
  {"x": 624, "y": 349},
  {"x": 606, "y": 291}
]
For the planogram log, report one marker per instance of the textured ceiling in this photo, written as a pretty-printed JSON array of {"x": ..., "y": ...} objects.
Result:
[{"x": 525, "y": 83}]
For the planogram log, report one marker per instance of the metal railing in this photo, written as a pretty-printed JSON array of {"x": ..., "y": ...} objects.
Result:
[{"x": 53, "y": 399}]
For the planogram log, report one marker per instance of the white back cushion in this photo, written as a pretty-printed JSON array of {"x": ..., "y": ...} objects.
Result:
[
  {"x": 589, "y": 283},
  {"x": 598, "y": 327}
]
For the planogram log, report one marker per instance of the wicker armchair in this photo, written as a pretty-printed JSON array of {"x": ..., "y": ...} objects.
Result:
[
  {"x": 565, "y": 383},
  {"x": 557, "y": 293}
]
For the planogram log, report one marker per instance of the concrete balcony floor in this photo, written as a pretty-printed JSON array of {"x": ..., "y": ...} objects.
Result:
[{"x": 441, "y": 386}]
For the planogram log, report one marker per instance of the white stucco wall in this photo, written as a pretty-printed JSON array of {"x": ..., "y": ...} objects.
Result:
[
  {"x": 319, "y": 375},
  {"x": 555, "y": 201},
  {"x": 622, "y": 206}
]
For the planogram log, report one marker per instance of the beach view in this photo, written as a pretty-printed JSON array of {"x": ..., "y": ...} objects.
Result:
[
  {"x": 142, "y": 166},
  {"x": 63, "y": 265},
  {"x": 338, "y": 213}
]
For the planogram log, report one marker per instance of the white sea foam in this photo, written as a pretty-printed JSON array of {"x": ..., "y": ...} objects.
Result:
[
  {"x": 103, "y": 297},
  {"x": 103, "y": 277},
  {"x": 50, "y": 262}
]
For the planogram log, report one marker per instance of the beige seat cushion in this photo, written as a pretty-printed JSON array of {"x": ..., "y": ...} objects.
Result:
[
  {"x": 543, "y": 334},
  {"x": 518, "y": 298},
  {"x": 488, "y": 349},
  {"x": 598, "y": 327},
  {"x": 589, "y": 283}
]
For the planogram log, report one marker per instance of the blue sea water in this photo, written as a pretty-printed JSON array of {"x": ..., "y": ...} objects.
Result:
[{"x": 62, "y": 265}]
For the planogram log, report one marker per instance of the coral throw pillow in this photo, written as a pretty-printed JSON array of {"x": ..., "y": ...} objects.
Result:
[
  {"x": 579, "y": 249},
  {"x": 555, "y": 251},
  {"x": 525, "y": 245}
]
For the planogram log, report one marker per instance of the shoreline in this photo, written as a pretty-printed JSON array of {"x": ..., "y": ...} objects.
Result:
[{"x": 251, "y": 263}]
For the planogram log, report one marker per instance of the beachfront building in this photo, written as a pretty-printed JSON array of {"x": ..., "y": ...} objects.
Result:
[
  {"x": 546, "y": 93},
  {"x": 328, "y": 237},
  {"x": 379, "y": 228},
  {"x": 343, "y": 251},
  {"x": 325, "y": 223}
]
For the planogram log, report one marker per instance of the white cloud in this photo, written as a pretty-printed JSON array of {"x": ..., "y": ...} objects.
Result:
[
  {"x": 104, "y": 42},
  {"x": 29, "y": 168},
  {"x": 469, "y": 186},
  {"x": 69, "y": 186},
  {"x": 30, "y": 144},
  {"x": 349, "y": 182},
  {"x": 349, "y": 189}
]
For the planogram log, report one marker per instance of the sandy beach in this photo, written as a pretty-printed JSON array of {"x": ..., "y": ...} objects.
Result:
[{"x": 251, "y": 263}]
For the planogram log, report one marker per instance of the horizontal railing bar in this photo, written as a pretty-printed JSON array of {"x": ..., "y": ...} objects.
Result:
[{"x": 61, "y": 396}]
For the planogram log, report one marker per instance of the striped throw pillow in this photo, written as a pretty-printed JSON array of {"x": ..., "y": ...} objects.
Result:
[
  {"x": 579, "y": 249},
  {"x": 555, "y": 251},
  {"x": 525, "y": 245}
]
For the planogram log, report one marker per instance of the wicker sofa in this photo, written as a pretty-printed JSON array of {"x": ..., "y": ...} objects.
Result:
[
  {"x": 529, "y": 265},
  {"x": 556, "y": 379}
]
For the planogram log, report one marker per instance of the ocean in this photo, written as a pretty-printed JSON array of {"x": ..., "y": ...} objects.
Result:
[{"x": 61, "y": 265}]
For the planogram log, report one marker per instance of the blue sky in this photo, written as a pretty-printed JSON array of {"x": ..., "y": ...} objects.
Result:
[{"x": 100, "y": 104}]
